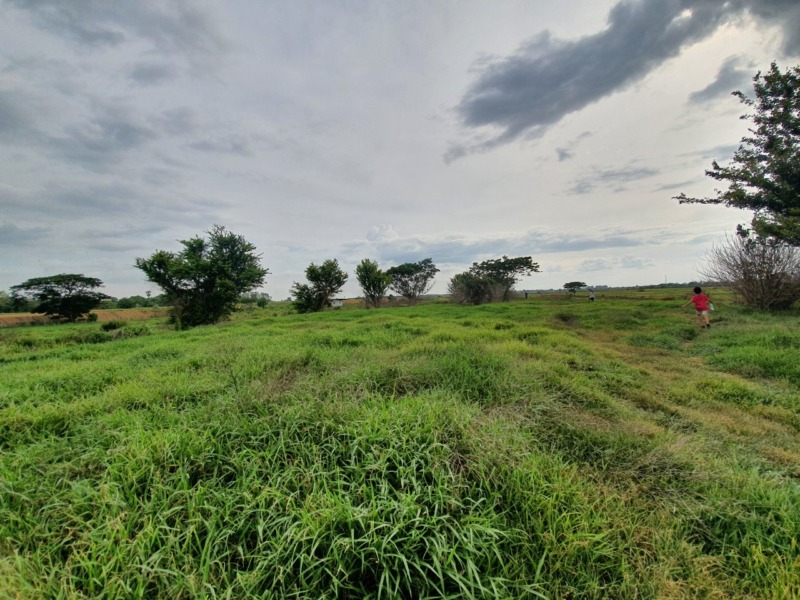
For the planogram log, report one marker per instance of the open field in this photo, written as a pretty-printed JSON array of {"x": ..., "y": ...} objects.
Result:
[
  {"x": 552, "y": 448},
  {"x": 103, "y": 315}
]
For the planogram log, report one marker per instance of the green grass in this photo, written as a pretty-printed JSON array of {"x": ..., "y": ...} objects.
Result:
[{"x": 544, "y": 449}]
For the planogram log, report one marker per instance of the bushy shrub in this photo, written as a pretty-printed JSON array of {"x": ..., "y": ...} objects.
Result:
[
  {"x": 467, "y": 288},
  {"x": 112, "y": 325},
  {"x": 133, "y": 330},
  {"x": 762, "y": 273}
]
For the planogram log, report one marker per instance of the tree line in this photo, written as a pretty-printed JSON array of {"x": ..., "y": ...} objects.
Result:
[
  {"x": 761, "y": 264},
  {"x": 205, "y": 280}
]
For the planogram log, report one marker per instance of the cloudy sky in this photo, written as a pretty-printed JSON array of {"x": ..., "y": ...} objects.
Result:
[{"x": 459, "y": 130}]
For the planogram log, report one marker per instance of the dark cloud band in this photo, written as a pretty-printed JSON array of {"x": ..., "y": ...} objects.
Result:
[{"x": 524, "y": 94}]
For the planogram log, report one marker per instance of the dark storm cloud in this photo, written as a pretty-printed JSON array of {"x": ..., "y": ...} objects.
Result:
[
  {"x": 729, "y": 78},
  {"x": 568, "y": 151},
  {"x": 524, "y": 94},
  {"x": 611, "y": 177},
  {"x": 563, "y": 154},
  {"x": 176, "y": 121},
  {"x": 12, "y": 235},
  {"x": 103, "y": 140},
  {"x": 180, "y": 26},
  {"x": 121, "y": 239},
  {"x": 676, "y": 186},
  {"x": 782, "y": 13},
  {"x": 152, "y": 73},
  {"x": 238, "y": 145},
  {"x": 719, "y": 153},
  {"x": 17, "y": 116}
]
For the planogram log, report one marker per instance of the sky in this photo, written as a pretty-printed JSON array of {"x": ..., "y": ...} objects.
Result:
[{"x": 460, "y": 130}]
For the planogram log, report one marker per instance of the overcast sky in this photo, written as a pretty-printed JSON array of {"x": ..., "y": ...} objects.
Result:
[{"x": 458, "y": 130}]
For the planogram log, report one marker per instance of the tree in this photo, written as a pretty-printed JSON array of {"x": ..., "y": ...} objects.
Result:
[
  {"x": 373, "y": 282},
  {"x": 67, "y": 296},
  {"x": 412, "y": 280},
  {"x": 6, "y": 302},
  {"x": 468, "y": 288},
  {"x": 574, "y": 286},
  {"x": 205, "y": 279},
  {"x": 324, "y": 282},
  {"x": 762, "y": 273},
  {"x": 765, "y": 172},
  {"x": 505, "y": 271}
]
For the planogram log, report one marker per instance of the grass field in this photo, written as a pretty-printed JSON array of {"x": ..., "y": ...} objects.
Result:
[{"x": 552, "y": 448}]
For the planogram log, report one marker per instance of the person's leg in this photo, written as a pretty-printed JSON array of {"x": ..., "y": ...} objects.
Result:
[
  {"x": 700, "y": 320},
  {"x": 707, "y": 319}
]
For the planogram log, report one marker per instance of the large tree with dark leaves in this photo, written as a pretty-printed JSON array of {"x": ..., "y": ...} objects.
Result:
[
  {"x": 324, "y": 282},
  {"x": 412, "y": 280},
  {"x": 373, "y": 282},
  {"x": 505, "y": 272},
  {"x": 764, "y": 175},
  {"x": 65, "y": 296},
  {"x": 204, "y": 281}
]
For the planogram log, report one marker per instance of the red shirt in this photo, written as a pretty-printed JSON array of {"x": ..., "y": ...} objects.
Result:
[{"x": 700, "y": 302}]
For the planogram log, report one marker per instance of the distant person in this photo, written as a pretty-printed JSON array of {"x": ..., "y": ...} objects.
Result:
[
  {"x": 591, "y": 295},
  {"x": 702, "y": 304}
]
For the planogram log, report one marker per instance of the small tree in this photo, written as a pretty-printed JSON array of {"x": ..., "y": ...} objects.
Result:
[
  {"x": 204, "y": 281},
  {"x": 412, "y": 280},
  {"x": 325, "y": 281},
  {"x": 66, "y": 296},
  {"x": 762, "y": 273},
  {"x": 373, "y": 282},
  {"x": 574, "y": 286},
  {"x": 505, "y": 271},
  {"x": 468, "y": 288},
  {"x": 6, "y": 302},
  {"x": 765, "y": 172}
]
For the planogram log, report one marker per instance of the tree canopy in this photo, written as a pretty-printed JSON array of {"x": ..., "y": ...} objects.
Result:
[
  {"x": 324, "y": 282},
  {"x": 468, "y": 288},
  {"x": 764, "y": 175},
  {"x": 373, "y": 282},
  {"x": 205, "y": 279},
  {"x": 505, "y": 271},
  {"x": 412, "y": 280},
  {"x": 68, "y": 295},
  {"x": 574, "y": 286}
]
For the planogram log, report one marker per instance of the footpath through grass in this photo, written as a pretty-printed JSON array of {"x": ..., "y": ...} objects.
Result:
[{"x": 540, "y": 449}]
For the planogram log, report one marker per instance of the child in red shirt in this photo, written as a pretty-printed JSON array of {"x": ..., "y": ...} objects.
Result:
[{"x": 702, "y": 304}]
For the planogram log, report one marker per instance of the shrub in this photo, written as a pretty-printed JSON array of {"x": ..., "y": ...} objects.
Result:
[
  {"x": 467, "y": 288},
  {"x": 112, "y": 325},
  {"x": 762, "y": 273}
]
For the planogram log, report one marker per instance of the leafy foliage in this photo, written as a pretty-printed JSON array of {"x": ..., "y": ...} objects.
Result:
[
  {"x": 373, "y": 282},
  {"x": 490, "y": 279},
  {"x": 765, "y": 172},
  {"x": 324, "y": 282},
  {"x": 204, "y": 280},
  {"x": 574, "y": 286},
  {"x": 67, "y": 296},
  {"x": 412, "y": 280},
  {"x": 468, "y": 288},
  {"x": 505, "y": 271}
]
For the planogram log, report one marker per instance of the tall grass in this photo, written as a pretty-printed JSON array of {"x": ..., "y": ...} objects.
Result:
[{"x": 541, "y": 449}]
